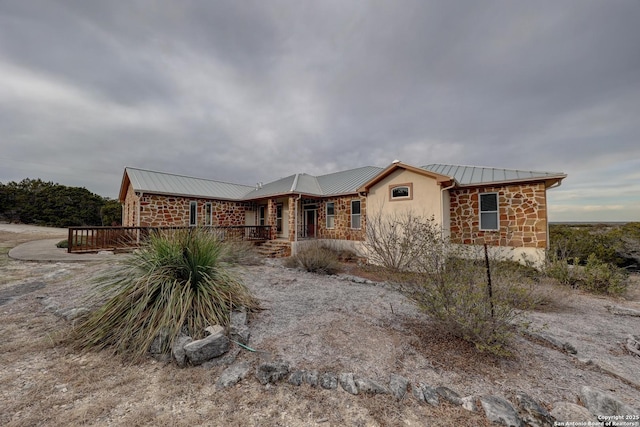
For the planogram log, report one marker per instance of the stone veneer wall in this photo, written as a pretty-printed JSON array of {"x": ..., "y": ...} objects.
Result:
[
  {"x": 165, "y": 211},
  {"x": 342, "y": 220},
  {"x": 130, "y": 205},
  {"x": 522, "y": 211}
]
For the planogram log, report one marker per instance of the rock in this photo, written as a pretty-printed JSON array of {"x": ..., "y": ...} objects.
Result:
[
  {"x": 160, "y": 343},
  {"x": 449, "y": 395},
  {"x": 569, "y": 348},
  {"x": 532, "y": 413},
  {"x": 500, "y": 411},
  {"x": 622, "y": 311},
  {"x": 214, "y": 329},
  {"x": 600, "y": 403},
  {"x": 240, "y": 334},
  {"x": 232, "y": 375},
  {"x": 238, "y": 318},
  {"x": 633, "y": 344},
  {"x": 311, "y": 378},
  {"x": 425, "y": 393},
  {"x": 566, "y": 411},
  {"x": 200, "y": 351},
  {"x": 296, "y": 378},
  {"x": 398, "y": 386},
  {"x": 470, "y": 403},
  {"x": 367, "y": 385},
  {"x": 228, "y": 359},
  {"x": 329, "y": 381},
  {"x": 347, "y": 383},
  {"x": 177, "y": 349},
  {"x": 272, "y": 372}
]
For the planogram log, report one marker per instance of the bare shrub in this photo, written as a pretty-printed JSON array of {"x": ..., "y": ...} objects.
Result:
[
  {"x": 241, "y": 253},
  {"x": 315, "y": 258},
  {"x": 448, "y": 283},
  {"x": 399, "y": 241}
]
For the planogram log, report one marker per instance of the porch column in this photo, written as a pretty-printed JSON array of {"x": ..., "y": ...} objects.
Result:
[
  {"x": 272, "y": 212},
  {"x": 292, "y": 219}
]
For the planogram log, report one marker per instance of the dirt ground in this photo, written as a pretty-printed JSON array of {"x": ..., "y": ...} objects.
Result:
[{"x": 313, "y": 322}]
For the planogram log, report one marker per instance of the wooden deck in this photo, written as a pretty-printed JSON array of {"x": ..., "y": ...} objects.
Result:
[{"x": 94, "y": 239}]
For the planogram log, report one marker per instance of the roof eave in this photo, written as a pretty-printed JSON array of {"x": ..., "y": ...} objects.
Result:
[{"x": 548, "y": 180}]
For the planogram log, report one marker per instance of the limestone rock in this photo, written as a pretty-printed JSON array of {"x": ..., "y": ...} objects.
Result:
[
  {"x": 566, "y": 411},
  {"x": 296, "y": 378},
  {"x": 238, "y": 330},
  {"x": 532, "y": 413},
  {"x": 470, "y": 403},
  {"x": 500, "y": 411},
  {"x": 272, "y": 372},
  {"x": 214, "y": 329},
  {"x": 449, "y": 395},
  {"x": 311, "y": 378},
  {"x": 347, "y": 383},
  {"x": 600, "y": 403},
  {"x": 232, "y": 375},
  {"x": 398, "y": 386},
  {"x": 177, "y": 349},
  {"x": 426, "y": 393},
  {"x": 367, "y": 385},
  {"x": 329, "y": 381},
  {"x": 200, "y": 351}
]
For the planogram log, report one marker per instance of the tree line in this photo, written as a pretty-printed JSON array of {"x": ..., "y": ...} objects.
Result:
[{"x": 34, "y": 201}]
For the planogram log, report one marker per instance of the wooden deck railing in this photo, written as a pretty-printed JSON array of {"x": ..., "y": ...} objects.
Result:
[{"x": 93, "y": 239}]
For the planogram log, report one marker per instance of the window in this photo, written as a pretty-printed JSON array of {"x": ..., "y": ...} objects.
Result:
[
  {"x": 193, "y": 214},
  {"x": 279, "y": 218},
  {"x": 489, "y": 211},
  {"x": 355, "y": 214},
  {"x": 208, "y": 213},
  {"x": 401, "y": 192},
  {"x": 331, "y": 212}
]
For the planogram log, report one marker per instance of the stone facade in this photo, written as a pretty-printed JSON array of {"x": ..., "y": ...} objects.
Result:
[
  {"x": 166, "y": 211},
  {"x": 522, "y": 216},
  {"x": 342, "y": 219}
]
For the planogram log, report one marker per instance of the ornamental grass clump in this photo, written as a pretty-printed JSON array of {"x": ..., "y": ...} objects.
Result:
[{"x": 176, "y": 283}]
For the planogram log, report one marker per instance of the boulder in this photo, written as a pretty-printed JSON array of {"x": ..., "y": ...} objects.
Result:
[
  {"x": 532, "y": 413},
  {"x": 238, "y": 330},
  {"x": 213, "y": 346},
  {"x": 500, "y": 411},
  {"x": 566, "y": 411},
  {"x": 347, "y": 383},
  {"x": 232, "y": 375},
  {"x": 367, "y": 385},
  {"x": 272, "y": 372},
  {"x": 600, "y": 403},
  {"x": 398, "y": 386}
]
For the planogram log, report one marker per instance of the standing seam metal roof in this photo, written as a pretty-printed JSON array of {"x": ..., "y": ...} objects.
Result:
[
  {"x": 166, "y": 183},
  {"x": 474, "y": 175}
]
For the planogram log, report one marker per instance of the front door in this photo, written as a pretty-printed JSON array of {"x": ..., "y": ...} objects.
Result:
[{"x": 310, "y": 222}]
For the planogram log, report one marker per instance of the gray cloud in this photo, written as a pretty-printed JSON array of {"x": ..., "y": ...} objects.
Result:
[{"x": 255, "y": 90}]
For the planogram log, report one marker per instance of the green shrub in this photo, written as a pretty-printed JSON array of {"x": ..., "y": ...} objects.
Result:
[
  {"x": 595, "y": 276},
  {"x": 315, "y": 258},
  {"x": 603, "y": 278},
  {"x": 63, "y": 244},
  {"x": 176, "y": 282}
]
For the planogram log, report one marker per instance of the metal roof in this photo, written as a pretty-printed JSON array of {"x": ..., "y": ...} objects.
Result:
[
  {"x": 475, "y": 175},
  {"x": 347, "y": 181},
  {"x": 166, "y": 183}
]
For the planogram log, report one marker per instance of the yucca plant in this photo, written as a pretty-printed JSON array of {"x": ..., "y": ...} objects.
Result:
[{"x": 176, "y": 283}]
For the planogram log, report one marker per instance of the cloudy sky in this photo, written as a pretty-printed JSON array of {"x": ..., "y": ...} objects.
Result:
[{"x": 248, "y": 91}]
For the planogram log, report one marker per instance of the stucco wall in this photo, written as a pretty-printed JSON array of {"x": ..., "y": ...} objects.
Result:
[
  {"x": 425, "y": 200},
  {"x": 522, "y": 216}
]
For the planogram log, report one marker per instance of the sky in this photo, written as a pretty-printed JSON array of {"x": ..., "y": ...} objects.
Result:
[{"x": 252, "y": 91}]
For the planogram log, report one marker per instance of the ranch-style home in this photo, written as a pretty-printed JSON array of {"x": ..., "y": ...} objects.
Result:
[{"x": 504, "y": 208}]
